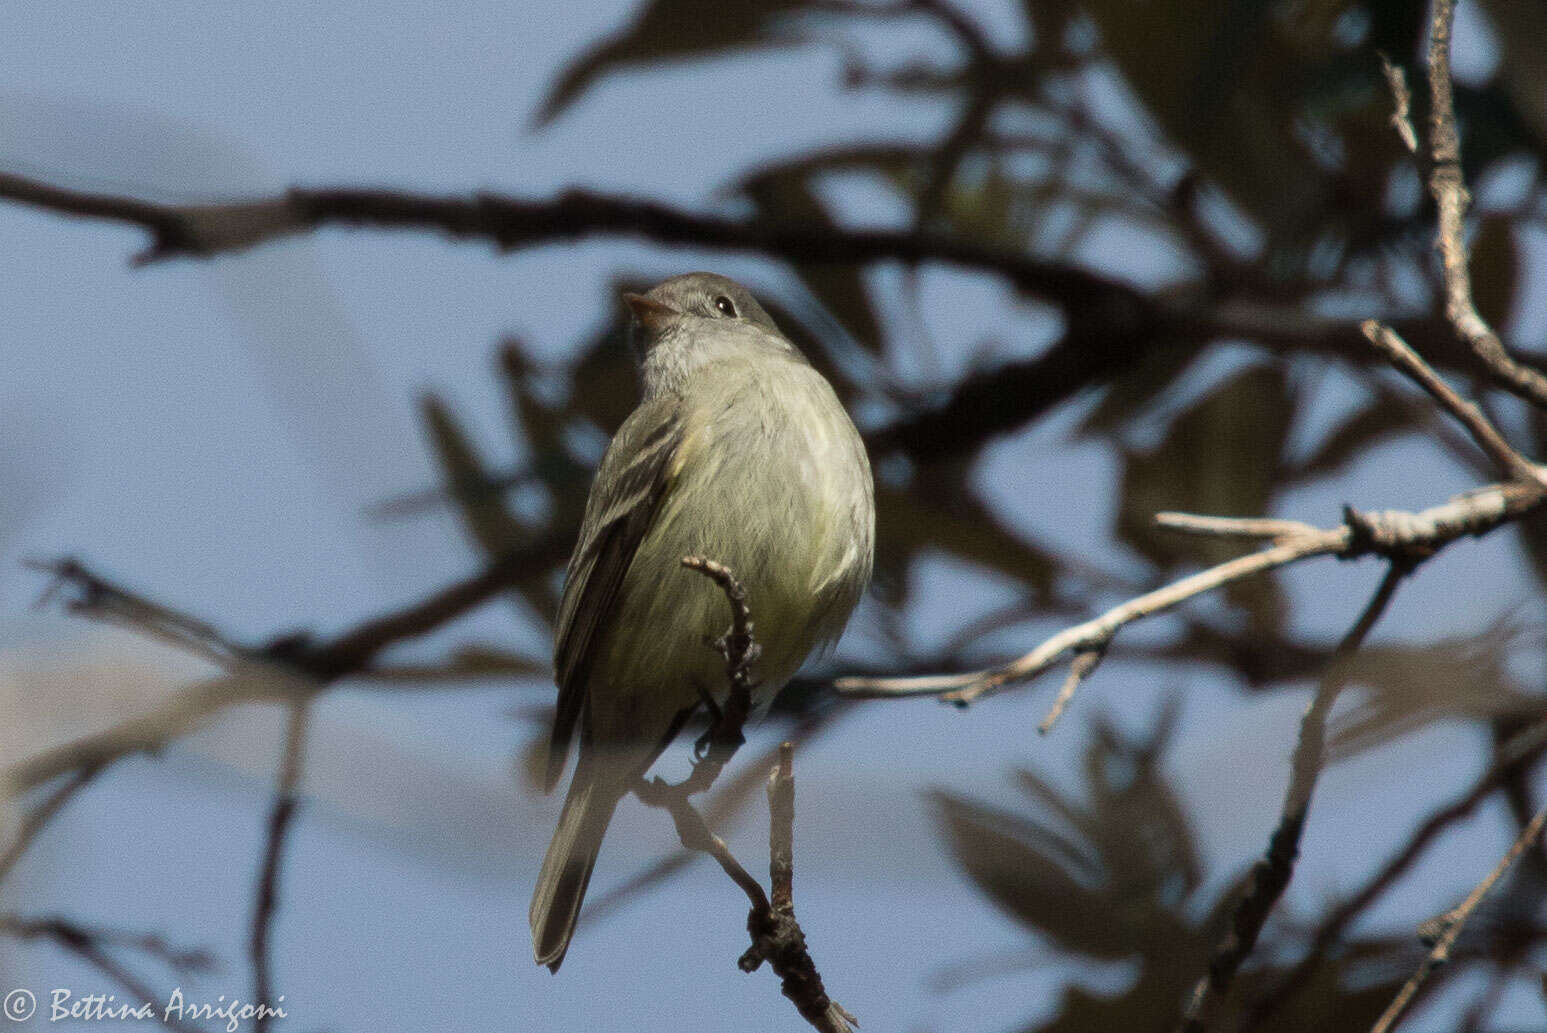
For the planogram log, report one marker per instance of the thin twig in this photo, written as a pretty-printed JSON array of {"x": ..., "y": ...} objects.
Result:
[
  {"x": 1391, "y": 533},
  {"x": 695, "y": 834},
  {"x": 1271, "y": 874},
  {"x": 42, "y": 814},
  {"x": 1401, "y": 104},
  {"x": 1514, "y": 757},
  {"x": 1253, "y": 528},
  {"x": 1452, "y": 922},
  {"x": 84, "y": 944},
  {"x": 290, "y": 668},
  {"x": 1487, "y": 436},
  {"x": 266, "y": 895},
  {"x": 184, "y": 960},
  {"x": 1451, "y": 198},
  {"x": 776, "y": 936},
  {"x": 100, "y": 599},
  {"x": 1083, "y": 667}
]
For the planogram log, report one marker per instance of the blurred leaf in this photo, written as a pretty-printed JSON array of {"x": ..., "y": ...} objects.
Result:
[
  {"x": 492, "y": 526},
  {"x": 1384, "y": 418},
  {"x": 911, "y": 521},
  {"x": 1137, "y": 384},
  {"x": 1520, "y": 28},
  {"x": 1408, "y": 688},
  {"x": 477, "y": 494},
  {"x": 1126, "y": 853},
  {"x": 786, "y": 197},
  {"x": 1222, "y": 457},
  {"x": 1496, "y": 264},
  {"x": 666, "y": 30},
  {"x": 1269, "y": 105},
  {"x": 1004, "y": 856}
]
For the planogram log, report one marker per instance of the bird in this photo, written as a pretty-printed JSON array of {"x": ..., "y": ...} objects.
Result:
[{"x": 739, "y": 451}]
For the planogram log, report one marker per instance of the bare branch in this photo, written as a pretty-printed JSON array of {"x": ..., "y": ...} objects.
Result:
[
  {"x": 1470, "y": 417},
  {"x": 696, "y": 834},
  {"x": 1448, "y": 188},
  {"x": 289, "y": 668},
  {"x": 1253, "y": 528},
  {"x": 1514, "y": 757},
  {"x": 1392, "y": 533},
  {"x": 776, "y": 936},
  {"x": 91, "y": 948},
  {"x": 205, "y": 230},
  {"x": 42, "y": 814},
  {"x": 1271, "y": 874},
  {"x": 281, "y": 816},
  {"x": 1451, "y": 923},
  {"x": 100, "y": 599},
  {"x": 1401, "y": 104},
  {"x": 1084, "y": 665}
]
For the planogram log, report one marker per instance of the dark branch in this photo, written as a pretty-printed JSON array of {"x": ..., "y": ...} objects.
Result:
[
  {"x": 288, "y": 667},
  {"x": 1271, "y": 874},
  {"x": 776, "y": 936},
  {"x": 205, "y": 230},
  {"x": 266, "y": 896},
  {"x": 1515, "y": 758}
]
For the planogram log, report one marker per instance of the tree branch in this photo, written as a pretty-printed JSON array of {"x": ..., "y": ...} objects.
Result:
[
  {"x": 1452, "y": 199},
  {"x": 1514, "y": 757},
  {"x": 1390, "y": 533},
  {"x": 776, "y": 936},
  {"x": 90, "y": 945},
  {"x": 1449, "y": 925},
  {"x": 1400, "y": 536},
  {"x": 209, "y": 229},
  {"x": 266, "y": 894},
  {"x": 290, "y": 667},
  {"x": 1510, "y": 463},
  {"x": 1271, "y": 874}
]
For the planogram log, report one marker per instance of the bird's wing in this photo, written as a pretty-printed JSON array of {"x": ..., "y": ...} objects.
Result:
[{"x": 635, "y": 476}]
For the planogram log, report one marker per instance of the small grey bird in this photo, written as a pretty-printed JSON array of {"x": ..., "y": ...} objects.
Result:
[{"x": 739, "y": 452}]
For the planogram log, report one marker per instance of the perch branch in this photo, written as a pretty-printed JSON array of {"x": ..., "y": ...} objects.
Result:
[{"x": 776, "y": 936}]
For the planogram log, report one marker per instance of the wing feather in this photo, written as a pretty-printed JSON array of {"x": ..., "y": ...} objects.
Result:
[{"x": 634, "y": 477}]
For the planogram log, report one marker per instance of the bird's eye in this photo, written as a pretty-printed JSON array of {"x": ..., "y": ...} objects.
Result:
[{"x": 725, "y": 305}]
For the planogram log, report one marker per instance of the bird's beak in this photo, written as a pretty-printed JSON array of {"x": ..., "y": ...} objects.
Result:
[{"x": 652, "y": 315}]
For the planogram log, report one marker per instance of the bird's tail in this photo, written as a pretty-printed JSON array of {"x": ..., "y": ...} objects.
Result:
[{"x": 566, "y": 870}]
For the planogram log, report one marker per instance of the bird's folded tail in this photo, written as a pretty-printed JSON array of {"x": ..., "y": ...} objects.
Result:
[{"x": 566, "y": 870}]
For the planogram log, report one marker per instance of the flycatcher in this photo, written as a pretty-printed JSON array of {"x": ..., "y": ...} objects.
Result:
[{"x": 739, "y": 452}]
